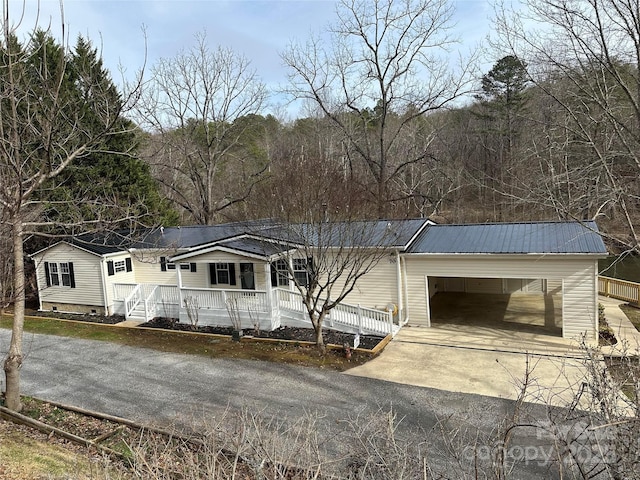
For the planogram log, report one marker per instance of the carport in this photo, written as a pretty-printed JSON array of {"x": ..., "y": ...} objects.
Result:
[
  {"x": 539, "y": 314},
  {"x": 474, "y": 270}
]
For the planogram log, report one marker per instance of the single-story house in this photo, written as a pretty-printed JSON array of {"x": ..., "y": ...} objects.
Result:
[{"x": 252, "y": 267}]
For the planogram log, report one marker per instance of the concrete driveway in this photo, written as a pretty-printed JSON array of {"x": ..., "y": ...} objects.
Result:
[{"x": 483, "y": 360}]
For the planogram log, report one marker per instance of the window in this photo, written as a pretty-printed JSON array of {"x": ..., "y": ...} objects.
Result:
[
  {"x": 119, "y": 266},
  {"x": 222, "y": 273},
  {"x": 222, "y": 270},
  {"x": 59, "y": 274},
  {"x": 66, "y": 274},
  {"x": 301, "y": 271},
  {"x": 165, "y": 265},
  {"x": 279, "y": 273},
  {"x": 54, "y": 279}
]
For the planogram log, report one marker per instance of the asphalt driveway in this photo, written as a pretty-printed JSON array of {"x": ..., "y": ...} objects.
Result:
[{"x": 167, "y": 388}]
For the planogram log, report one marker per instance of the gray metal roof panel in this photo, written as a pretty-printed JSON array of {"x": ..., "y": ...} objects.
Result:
[
  {"x": 196, "y": 235},
  {"x": 359, "y": 234},
  {"x": 511, "y": 238},
  {"x": 254, "y": 246}
]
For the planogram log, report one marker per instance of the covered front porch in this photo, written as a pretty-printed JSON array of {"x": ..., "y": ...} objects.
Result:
[{"x": 263, "y": 309}]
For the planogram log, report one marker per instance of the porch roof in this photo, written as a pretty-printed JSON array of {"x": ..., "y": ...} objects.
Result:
[{"x": 250, "y": 246}]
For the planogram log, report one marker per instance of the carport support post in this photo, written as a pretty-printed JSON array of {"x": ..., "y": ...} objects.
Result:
[{"x": 427, "y": 299}]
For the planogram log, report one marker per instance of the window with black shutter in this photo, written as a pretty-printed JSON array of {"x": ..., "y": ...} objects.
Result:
[{"x": 222, "y": 273}]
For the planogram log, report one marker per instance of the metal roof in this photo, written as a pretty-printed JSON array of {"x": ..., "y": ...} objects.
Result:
[
  {"x": 423, "y": 237},
  {"x": 358, "y": 234},
  {"x": 248, "y": 245},
  {"x": 511, "y": 238},
  {"x": 197, "y": 235}
]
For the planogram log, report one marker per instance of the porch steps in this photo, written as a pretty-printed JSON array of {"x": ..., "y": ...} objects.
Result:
[{"x": 137, "y": 314}]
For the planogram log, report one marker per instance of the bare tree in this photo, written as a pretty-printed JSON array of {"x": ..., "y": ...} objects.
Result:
[
  {"x": 384, "y": 68},
  {"x": 193, "y": 106},
  {"x": 328, "y": 259},
  {"x": 583, "y": 56},
  {"x": 45, "y": 126}
]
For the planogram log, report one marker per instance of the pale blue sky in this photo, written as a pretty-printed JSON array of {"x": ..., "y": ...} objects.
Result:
[{"x": 260, "y": 29}]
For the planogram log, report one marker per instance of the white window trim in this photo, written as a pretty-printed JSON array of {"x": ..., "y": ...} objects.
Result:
[
  {"x": 119, "y": 266},
  {"x": 54, "y": 275},
  {"x": 223, "y": 267}
]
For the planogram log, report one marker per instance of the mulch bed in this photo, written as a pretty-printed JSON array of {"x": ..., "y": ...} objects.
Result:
[
  {"x": 282, "y": 333},
  {"x": 91, "y": 318}
]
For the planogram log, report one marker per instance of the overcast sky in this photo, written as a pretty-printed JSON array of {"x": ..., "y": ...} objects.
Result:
[{"x": 259, "y": 29}]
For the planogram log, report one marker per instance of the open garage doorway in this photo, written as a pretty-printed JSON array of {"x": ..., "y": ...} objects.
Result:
[{"x": 522, "y": 305}]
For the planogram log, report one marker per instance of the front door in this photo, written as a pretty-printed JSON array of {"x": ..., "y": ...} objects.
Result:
[{"x": 247, "y": 278}]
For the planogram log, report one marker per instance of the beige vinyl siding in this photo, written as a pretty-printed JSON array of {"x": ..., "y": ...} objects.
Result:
[
  {"x": 377, "y": 288},
  {"x": 578, "y": 274},
  {"x": 205, "y": 259},
  {"x": 148, "y": 270},
  {"x": 483, "y": 285},
  {"x": 86, "y": 271},
  {"x": 146, "y": 266},
  {"x": 117, "y": 277},
  {"x": 580, "y": 302}
]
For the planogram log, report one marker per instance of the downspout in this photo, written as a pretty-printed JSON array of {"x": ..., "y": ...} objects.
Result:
[
  {"x": 104, "y": 287},
  {"x": 38, "y": 284},
  {"x": 399, "y": 288},
  {"x": 406, "y": 289},
  {"x": 179, "y": 282}
]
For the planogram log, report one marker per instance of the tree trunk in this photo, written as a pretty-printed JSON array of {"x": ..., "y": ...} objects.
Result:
[
  {"x": 13, "y": 361},
  {"x": 317, "y": 326}
]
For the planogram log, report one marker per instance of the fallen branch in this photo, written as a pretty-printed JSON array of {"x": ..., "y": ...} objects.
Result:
[{"x": 18, "y": 418}]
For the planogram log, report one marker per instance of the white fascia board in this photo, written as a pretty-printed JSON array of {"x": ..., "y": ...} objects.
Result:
[
  {"x": 505, "y": 255},
  {"x": 215, "y": 248},
  {"x": 39, "y": 252},
  {"x": 426, "y": 223}
]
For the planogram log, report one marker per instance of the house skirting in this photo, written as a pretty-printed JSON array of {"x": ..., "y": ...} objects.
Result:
[{"x": 73, "y": 308}]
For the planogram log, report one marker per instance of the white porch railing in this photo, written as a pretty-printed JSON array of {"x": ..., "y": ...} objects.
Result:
[
  {"x": 132, "y": 300},
  {"x": 356, "y": 317},
  {"x": 213, "y": 299},
  {"x": 270, "y": 309}
]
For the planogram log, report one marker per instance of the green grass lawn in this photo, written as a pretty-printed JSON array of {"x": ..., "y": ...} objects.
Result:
[
  {"x": 633, "y": 314},
  {"x": 212, "y": 346}
]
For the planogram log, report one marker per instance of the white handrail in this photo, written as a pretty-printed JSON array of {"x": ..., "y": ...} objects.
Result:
[
  {"x": 132, "y": 301},
  {"x": 150, "y": 304},
  {"x": 355, "y": 316}
]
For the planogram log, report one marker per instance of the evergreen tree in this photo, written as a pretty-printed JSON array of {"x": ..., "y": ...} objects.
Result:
[{"x": 113, "y": 178}]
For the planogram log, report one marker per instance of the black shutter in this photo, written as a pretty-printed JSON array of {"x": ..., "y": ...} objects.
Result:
[
  {"x": 193, "y": 267},
  {"x": 46, "y": 273},
  {"x": 163, "y": 264},
  {"x": 110, "y": 270},
  {"x": 72, "y": 277},
  {"x": 274, "y": 275},
  {"x": 127, "y": 262},
  {"x": 232, "y": 273},
  {"x": 213, "y": 274}
]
